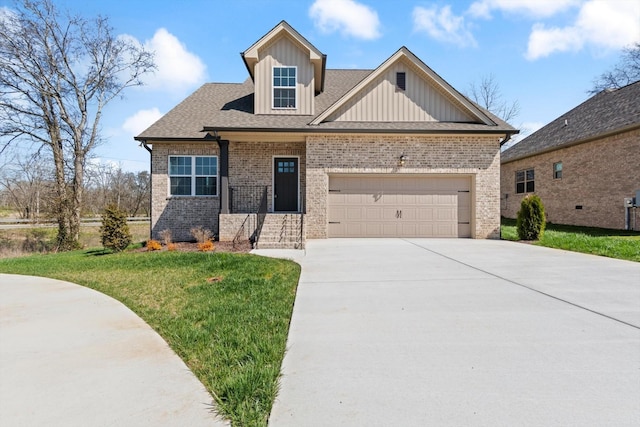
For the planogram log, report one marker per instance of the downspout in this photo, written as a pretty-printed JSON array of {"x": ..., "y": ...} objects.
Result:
[{"x": 143, "y": 143}]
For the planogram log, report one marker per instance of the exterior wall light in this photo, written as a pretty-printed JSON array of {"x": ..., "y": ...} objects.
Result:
[{"x": 402, "y": 159}]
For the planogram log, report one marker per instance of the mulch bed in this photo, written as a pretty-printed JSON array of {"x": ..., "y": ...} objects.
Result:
[{"x": 240, "y": 247}]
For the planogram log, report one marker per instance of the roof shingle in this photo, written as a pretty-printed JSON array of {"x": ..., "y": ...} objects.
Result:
[
  {"x": 230, "y": 106},
  {"x": 607, "y": 112}
]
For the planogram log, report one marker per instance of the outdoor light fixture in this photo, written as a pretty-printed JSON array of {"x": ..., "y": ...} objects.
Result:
[{"x": 403, "y": 158}]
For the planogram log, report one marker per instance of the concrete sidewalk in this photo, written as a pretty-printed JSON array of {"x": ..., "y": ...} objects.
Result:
[
  {"x": 461, "y": 332},
  {"x": 71, "y": 356}
]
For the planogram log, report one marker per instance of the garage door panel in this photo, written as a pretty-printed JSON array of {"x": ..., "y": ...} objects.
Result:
[{"x": 399, "y": 206}]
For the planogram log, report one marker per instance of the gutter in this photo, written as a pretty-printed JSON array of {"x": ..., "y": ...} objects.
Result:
[{"x": 366, "y": 131}]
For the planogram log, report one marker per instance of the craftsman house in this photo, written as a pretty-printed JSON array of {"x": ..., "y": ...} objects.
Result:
[
  {"x": 584, "y": 165},
  {"x": 298, "y": 151}
]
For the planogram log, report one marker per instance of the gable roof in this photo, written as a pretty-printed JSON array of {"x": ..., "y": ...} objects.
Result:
[
  {"x": 251, "y": 56},
  {"x": 434, "y": 79},
  {"x": 606, "y": 113}
]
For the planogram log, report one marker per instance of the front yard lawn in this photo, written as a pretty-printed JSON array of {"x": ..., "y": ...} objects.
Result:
[
  {"x": 226, "y": 315},
  {"x": 619, "y": 244}
]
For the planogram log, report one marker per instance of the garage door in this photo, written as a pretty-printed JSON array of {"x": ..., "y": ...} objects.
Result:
[{"x": 399, "y": 206}]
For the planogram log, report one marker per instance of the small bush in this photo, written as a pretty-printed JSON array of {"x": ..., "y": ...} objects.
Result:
[
  {"x": 202, "y": 235},
  {"x": 166, "y": 237},
  {"x": 153, "y": 245},
  {"x": 531, "y": 220},
  {"x": 37, "y": 241},
  {"x": 171, "y": 247},
  {"x": 207, "y": 246},
  {"x": 114, "y": 229}
]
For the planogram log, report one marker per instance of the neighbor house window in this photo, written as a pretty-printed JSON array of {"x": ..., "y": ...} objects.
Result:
[
  {"x": 284, "y": 87},
  {"x": 193, "y": 175},
  {"x": 557, "y": 170},
  {"x": 525, "y": 181}
]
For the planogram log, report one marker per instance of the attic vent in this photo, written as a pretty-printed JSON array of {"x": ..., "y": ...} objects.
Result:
[{"x": 401, "y": 81}]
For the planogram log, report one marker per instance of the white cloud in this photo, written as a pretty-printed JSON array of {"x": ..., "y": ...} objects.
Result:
[
  {"x": 441, "y": 24},
  {"x": 533, "y": 8},
  {"x": 608, "y": 24},
  {"x": 178, "y": 69},
  {"x": 140, "y": 121},
  {"x": 347, "y": 16}
]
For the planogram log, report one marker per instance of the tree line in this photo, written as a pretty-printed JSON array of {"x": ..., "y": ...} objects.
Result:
[{"x": 28, "y": 188}]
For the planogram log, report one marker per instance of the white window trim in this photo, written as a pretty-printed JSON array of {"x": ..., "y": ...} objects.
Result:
[
  {"x": 193, "y": 176},
  {"x": 273, "y": 87}
]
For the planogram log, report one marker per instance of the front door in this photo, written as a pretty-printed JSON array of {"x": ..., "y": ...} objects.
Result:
[{"x": 285, "y": 184}]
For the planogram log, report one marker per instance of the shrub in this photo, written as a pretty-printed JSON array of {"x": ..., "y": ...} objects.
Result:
[
  {"x": 531, "y": 218},
  {"x": 207, "y": 246},
  {"x": 171, "y": 247},
  {"x": 37, "y": 241},
  {"x": 202, "y": 235},
  {"x": 153, "y": 245},
  {"x": 114, "y": 230},
  {"x": 166, "y": 237}
]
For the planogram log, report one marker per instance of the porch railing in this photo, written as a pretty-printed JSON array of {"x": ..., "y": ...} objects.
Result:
[
  {"x": 245, "y": 198},
  {"x": 261, "y": 215}
]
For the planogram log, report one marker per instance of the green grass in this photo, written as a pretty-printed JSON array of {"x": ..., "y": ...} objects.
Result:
[
  {"x": 226, "y": 315},
  {"x": 619, "y": 244}
]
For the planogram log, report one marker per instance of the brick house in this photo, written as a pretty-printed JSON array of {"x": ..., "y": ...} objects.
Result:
[
  {"x": 300, "y": 151},
  {"x": 582, "y": 165}
]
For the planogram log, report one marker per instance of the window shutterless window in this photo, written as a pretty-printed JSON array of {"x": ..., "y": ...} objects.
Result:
[
  {"x": 525, "y": 181},
  {"x": 557, "y": 170},
  {"x": 284, "y": 87},
  {"x": 193, "y": 175}
]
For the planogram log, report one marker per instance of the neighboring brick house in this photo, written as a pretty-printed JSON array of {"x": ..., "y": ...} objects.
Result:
[
  {"x": 394, "y": 151},
  {"x": 583, "y": 165}
]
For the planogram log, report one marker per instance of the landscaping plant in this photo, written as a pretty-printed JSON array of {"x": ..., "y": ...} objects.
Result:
[
  {"x": 531, "y": 219},
  {"x": 114, "y": 230}
]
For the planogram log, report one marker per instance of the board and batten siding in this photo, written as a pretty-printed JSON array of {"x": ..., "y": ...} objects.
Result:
[
  {"x": 381, "y": 101},
  {"x": 283, "y": 52}
]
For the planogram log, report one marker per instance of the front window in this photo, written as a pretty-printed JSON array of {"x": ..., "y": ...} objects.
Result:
[
  {"x": 193, "y": 176},
  {"x": 525, "y": 181},
  {"x": 557, "y": 170},
  {"x": 284, "y": 87}
]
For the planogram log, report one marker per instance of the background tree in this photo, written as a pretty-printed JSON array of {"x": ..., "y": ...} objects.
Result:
[
  {"x": 627, "y": 71},
  {"x": 27, "y": 185},
  {"x": 57, "y": 73},
  {"x": 488, "y": 95}
]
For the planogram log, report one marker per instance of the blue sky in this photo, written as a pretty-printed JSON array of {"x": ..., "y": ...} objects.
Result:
[{"x": 543, "y": 53}]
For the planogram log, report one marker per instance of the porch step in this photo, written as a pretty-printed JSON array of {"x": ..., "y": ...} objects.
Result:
[{"x": 281, "y": 231}]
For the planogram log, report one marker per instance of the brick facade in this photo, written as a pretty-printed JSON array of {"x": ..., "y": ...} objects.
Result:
[
  {"x": 596, "y": 175},
  {"x": 251, "y": 164},
  {"x": 474, "y": 156},
  {"x": 180, "y": 213}
]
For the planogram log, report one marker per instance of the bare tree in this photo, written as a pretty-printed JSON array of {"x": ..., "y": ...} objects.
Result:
[
  {"x": 487, "y": 94},
  {"x": 27, "y": 185},
  {"x": 57, "y": 73},
  {"x": 627, "y": 71}
]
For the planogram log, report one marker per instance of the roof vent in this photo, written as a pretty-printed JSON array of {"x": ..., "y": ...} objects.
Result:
[{"x": 401, "y": 81}]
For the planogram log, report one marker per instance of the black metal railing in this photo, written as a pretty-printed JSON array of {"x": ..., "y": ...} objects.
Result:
[
  {"x": 245, "y": 198},
  {"x": 260, "y": 216}
]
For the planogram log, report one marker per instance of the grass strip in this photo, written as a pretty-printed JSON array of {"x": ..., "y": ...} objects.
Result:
[
  {"x": 620, "y": 244},
  {"x": 226, "y": 315}
]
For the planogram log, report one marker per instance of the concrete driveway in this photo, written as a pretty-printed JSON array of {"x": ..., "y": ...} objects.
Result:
[
  {"x": 430, "y": 332},
  {"x": 71, "y": 356}
]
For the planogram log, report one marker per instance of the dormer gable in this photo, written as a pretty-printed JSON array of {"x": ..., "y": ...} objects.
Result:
[
  {"x": 287, "y": 72},
  {"x": 403, "y": 89}
]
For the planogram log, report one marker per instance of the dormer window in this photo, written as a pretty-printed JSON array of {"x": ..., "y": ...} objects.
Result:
[{"x": 284, "y": 87}]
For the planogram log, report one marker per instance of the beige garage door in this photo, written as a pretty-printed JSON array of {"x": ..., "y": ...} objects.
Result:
[{"x": 399, "y": 206}]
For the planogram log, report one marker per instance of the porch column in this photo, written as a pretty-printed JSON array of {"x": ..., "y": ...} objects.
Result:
[{"x": 224, "y": 175}]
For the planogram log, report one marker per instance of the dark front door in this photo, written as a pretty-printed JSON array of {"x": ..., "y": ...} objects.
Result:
[{"x": 285, "y": 184}]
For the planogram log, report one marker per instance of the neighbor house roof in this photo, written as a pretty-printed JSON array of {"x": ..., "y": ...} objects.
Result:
[{"x": 608, "y": 112}]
